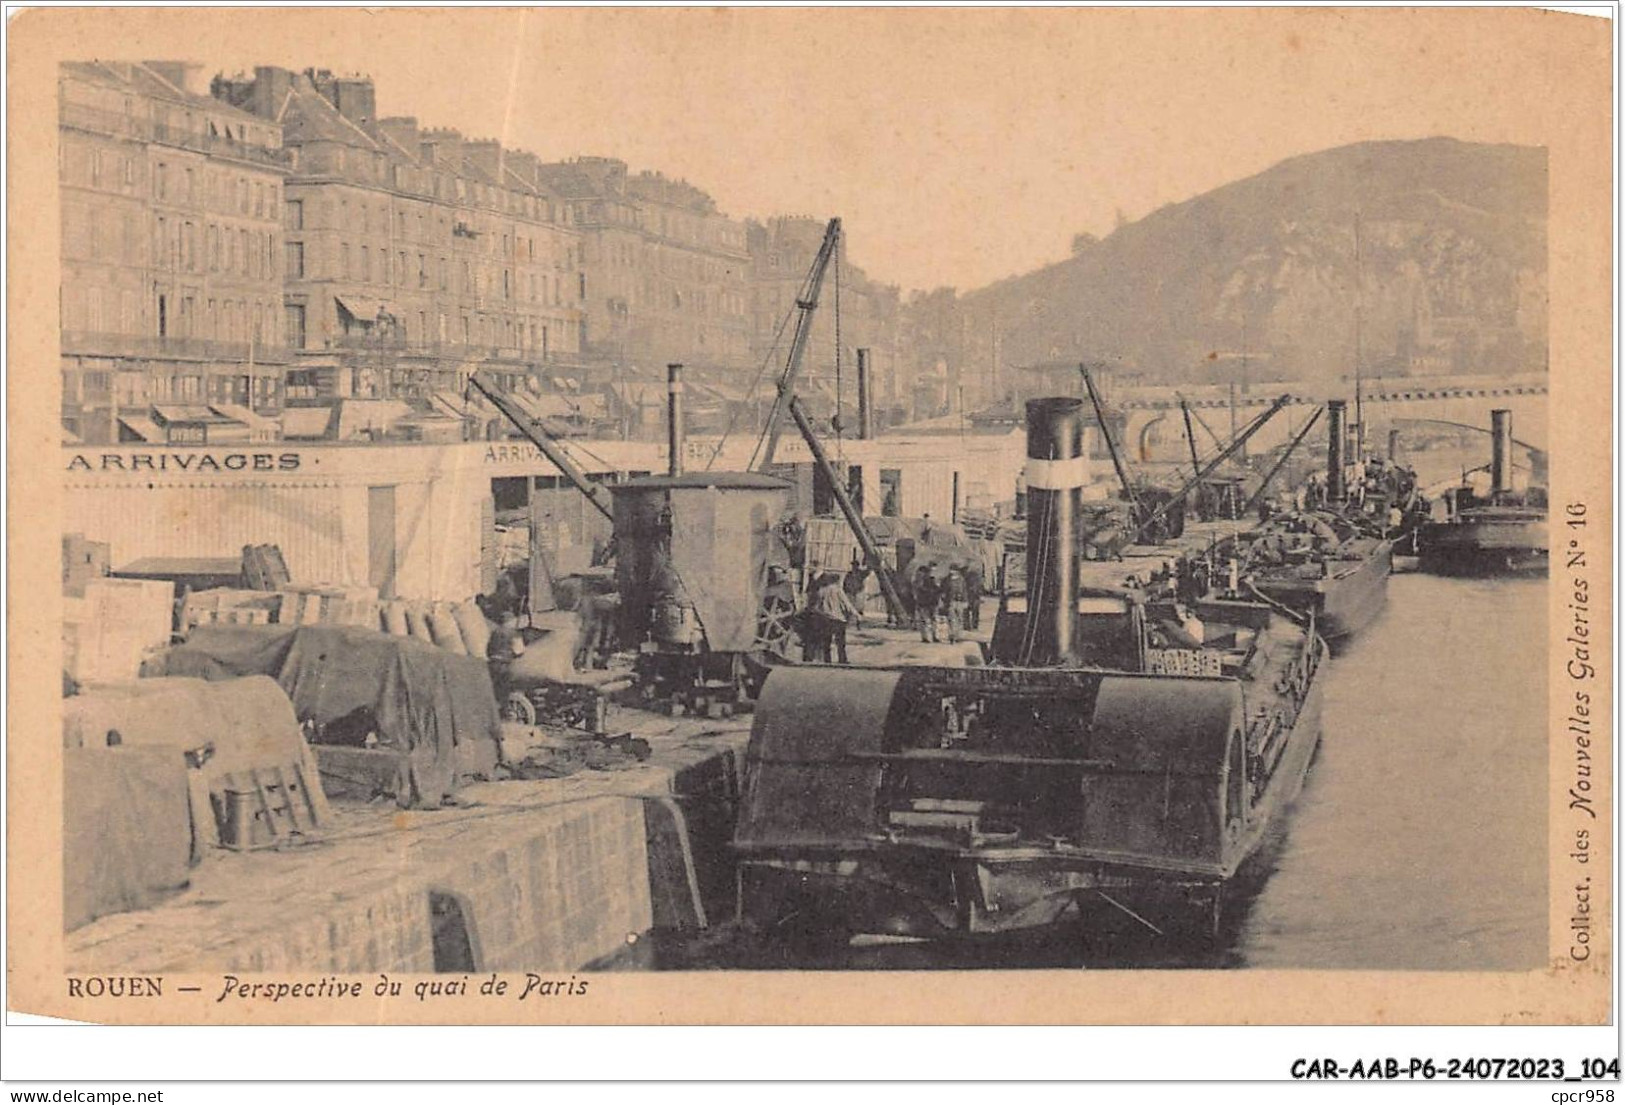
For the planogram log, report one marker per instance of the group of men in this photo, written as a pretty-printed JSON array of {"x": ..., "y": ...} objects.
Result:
[
  {"x": 945, "y": 594},
  {"x": 952, "y": 593}
]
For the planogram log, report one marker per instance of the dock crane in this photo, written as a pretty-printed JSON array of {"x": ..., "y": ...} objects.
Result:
[
  {"x": 1178, "y": 498},
  {"x": 1150, "y": 506},
  {"x": 596, "y": 493},
  {"x": 806, "y": 307}
]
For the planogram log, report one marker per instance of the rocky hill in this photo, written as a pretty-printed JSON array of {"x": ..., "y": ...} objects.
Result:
[{"x": 1452, "y": 258}]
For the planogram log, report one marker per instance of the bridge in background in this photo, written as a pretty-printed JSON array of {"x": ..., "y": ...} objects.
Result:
[{"x": 1412, "y": 405}]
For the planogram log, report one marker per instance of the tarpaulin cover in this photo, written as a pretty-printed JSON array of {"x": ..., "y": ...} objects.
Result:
[
  {"x": 126, "y": 833},
  {"x": 425, "y": 700},
  {"x": 248, "y": 723}
]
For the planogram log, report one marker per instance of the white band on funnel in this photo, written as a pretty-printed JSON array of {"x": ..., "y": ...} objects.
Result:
[{"x": 1057, "y": 475}]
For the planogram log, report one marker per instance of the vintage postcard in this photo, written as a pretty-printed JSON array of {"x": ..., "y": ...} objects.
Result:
[{"x": 513, "y": 511}]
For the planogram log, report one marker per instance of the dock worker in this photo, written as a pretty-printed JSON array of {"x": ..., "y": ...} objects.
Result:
[
  {"x": 834, "y": 609},
  {"x": 507, "y": 644},
  {"x": 598, "y": 614},
  {"x": 814, "y": 629},
  {"x": 973, "y": 589},
  {"x": 857, "y": 574},
  {"x": 954, "y": 603},
  {"x": 927, "y": 596}
]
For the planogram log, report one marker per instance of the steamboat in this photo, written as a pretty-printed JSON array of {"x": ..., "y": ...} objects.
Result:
[
  {"x": 1504, "y": 532},
  {"x": 1125, "y": 752}
]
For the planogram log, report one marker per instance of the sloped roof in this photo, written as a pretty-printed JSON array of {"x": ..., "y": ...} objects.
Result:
[
  {"x": 307, "y": 116},
  {"x": 135, "y": 77},
  {"x": 568, "y": 181}
]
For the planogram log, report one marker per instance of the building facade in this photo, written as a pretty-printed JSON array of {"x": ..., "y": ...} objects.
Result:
[
  {"x": 413, "y": 257},
  {"x": 666, "y": 274},
  {"x": 171, "y": 250},
  {"x": 862, "y": 312}
]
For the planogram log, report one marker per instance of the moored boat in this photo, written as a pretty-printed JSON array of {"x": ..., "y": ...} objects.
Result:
[
  {"x": 1502, "y": 532},
  {"x": 1317, "y": 564},
  {"x": 1125, "y": 752}
]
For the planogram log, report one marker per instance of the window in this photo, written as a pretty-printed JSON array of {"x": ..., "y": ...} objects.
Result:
[
  {"x": 400, "y": 271},
  {"x": 160, "y": 181},
  {"x": 294, "y": 316},
  {"x": 191, "y": 187},
  {"x": 294, "y": 214},
  {"x": 242, "y": 238},
  {"x": 423, "y": 271},
  {"x": 259, "y": 199},
  {"x": 891, "y": 492},
  {"x": 294, "y": 264},
  {"x": 212, "y": 238}
]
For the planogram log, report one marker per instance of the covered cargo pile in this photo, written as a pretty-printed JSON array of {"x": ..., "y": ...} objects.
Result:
[
  {"x": 432, "y": 713},
  {"x": 155, "y": 768}
]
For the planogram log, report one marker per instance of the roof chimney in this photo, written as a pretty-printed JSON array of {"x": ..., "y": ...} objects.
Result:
[
  {"x": 486, "y": 153},
  {"x": 184, "y": 75},
  {"x": 403, "y": 131},
  {"x": 355, "y": 99}
]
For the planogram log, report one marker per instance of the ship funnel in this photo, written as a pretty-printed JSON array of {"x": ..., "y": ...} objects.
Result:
[
  {"x": 865, "y": 411},
  {"x": 674, "y": 417},
  {"x": 1501, "y": 451},
  {"x": 1336, "y": 439},
  {"x": 1056, "y": 470}
]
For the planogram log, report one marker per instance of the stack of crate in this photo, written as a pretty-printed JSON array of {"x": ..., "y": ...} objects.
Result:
[
  {"x": 116, "y": 625},
  {"x": 82, "y": 561},
  {"x": 228, "y": 606},
  {"x": 328, "y": 604}
]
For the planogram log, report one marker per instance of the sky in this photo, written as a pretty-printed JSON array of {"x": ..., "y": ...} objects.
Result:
[{"x": 959, "y": 146}]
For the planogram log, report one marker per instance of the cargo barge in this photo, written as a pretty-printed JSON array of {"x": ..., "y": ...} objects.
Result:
[
  {"x": 1343, "y": 583},
  {"x": 1126, "y": 753}
]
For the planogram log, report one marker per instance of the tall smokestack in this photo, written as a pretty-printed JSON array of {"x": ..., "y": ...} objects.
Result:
[
  {"x": 1501, "y": 452},
  {"x": 865, "y": 401},
  {"x": 1055, "y": 475},
  {"x": 1336, "y": 439},
  {"x": 674, "y": 417}
]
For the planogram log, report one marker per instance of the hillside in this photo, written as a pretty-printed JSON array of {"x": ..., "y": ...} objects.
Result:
[{"x": 1453, "y": 260}]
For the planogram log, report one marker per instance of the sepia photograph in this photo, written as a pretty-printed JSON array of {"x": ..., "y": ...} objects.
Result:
[{"x": 551, "y": 503}]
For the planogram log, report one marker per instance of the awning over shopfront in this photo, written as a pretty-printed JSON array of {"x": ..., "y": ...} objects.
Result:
[
  {"x": 306, "y": 423},
  {"x": 365, "y": 310},
  {"x": 140, "y": 428},
  {"x": 260, "y": 428}
]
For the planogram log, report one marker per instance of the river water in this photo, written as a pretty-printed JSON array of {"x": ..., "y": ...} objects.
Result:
[{"x": 1418, "y": 842}]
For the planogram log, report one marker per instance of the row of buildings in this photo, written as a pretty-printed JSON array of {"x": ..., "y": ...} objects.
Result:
[{"x": 262, "y": 243}]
